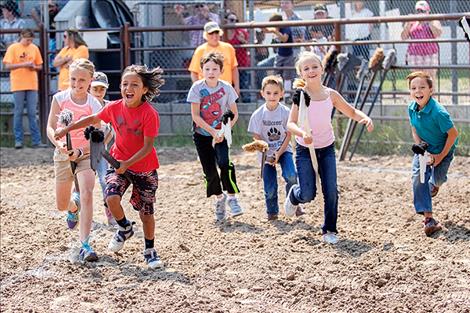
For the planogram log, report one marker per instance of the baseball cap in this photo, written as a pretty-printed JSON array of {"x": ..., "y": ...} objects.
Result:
[
  {"x": 320, "y": 8},
  {"x": 100, "y": 79},
  {"x": 422, "y": 5},
  {"x": 211, "y": 27}
]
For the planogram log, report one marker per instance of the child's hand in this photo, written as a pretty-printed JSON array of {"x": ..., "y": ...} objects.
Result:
[
  {"x": 436, "y": 159},
  {"x": 368, "y": 122},
  {"x": 73, "y": 154},
  {"x": 59, "y": 133},
  {"x": 62, "y": 147},
  {"x": 308, "y": 139},
  {"x": 122, "y": 168}
]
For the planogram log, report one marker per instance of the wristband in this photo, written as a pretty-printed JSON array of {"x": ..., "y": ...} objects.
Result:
[{"x": 80, "y": 152}]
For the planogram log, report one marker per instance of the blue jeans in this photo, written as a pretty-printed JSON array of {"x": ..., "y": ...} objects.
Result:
[
  {"x": 270, "y": 181},
  {"x": 306, "y": 190},
  {"x": 434, "y": 176},
  {"x": 101, "y": 171},
  {"x": 31, "y": 99}
]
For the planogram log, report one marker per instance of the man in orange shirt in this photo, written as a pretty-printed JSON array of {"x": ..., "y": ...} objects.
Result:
[
  {"x": 24, "y": 60},
  {"x": 212, "y": 33}
]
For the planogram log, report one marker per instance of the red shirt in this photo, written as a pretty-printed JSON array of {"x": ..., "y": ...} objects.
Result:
[
  {"x": 243, "y": 57},
  {"x": 131, "y": 126}
]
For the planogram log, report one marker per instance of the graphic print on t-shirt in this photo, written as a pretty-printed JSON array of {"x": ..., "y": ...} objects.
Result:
[
  {"x": 210, "y": 108},
  {"x": 125, "y": 130}
]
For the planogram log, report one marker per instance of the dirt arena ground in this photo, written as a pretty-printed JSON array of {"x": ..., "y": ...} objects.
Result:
[{"x": 383, "y": 262}]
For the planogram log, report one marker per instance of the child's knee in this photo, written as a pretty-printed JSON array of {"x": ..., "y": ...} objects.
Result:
[
  {"x": 146, "y": 218},
  {"x": 113, "y": 201}
]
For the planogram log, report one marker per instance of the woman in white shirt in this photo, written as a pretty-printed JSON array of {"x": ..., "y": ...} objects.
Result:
[{"x": 359, "y": 32}]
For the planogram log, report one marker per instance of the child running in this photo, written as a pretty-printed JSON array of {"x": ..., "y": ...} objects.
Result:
[
  {"x": 210, "y": 98},
  {"x": 80, "y": 103},
  {"x": 269, "y": 123},
  {"x": 310, "y": 122},
  {"x": 430, "y": 124},
  {"x": 99, "y": 86},
  {"x": 136, "y": 124}
]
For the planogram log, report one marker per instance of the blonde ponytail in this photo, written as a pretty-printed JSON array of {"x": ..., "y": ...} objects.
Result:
[{"x": 299, "y": 83}]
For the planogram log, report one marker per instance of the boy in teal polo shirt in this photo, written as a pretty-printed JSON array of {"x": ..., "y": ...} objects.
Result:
[{"x": 430, "y": 123}]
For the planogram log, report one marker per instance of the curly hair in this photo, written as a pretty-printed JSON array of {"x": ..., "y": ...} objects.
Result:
[{"x": 151, "y": 78}]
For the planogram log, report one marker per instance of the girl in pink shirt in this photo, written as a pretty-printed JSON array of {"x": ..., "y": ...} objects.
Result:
[
  {"x": 310, "y": 122},
  {"x": 80, "y": 103}
]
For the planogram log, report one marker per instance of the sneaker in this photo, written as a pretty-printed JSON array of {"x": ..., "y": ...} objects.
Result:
[
  {"x": 122, "y": 234},
  {"x": 431, "y": 226},
  {"x": 87, "y": 254},
  {"x": 72, "y": 219},
  {"x": 272, "y": 217},
  {"x": 330, "y": 238},
  {"x": 18, "y": 145},
  {"x": 289, "y": 207},
  {"x": 434, "y": 190},
  {"x": 152, "y": 259},
  {"x": 220, "y": 208},
  {"x": 235, "y": 207}
]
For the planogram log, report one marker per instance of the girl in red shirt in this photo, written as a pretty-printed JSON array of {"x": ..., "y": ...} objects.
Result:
[{"x": 136, "y": 124}]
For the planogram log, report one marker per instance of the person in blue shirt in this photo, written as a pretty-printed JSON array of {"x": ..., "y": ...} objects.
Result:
[
  {"x": 430, "y": 123},
  {"x": 285, "y": 55}
]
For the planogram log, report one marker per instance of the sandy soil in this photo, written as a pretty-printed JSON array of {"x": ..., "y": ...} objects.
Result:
[{"x": 383, "y": 262}]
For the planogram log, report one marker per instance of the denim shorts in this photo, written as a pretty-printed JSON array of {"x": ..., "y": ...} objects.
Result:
[{"x": 144, "y": 187}]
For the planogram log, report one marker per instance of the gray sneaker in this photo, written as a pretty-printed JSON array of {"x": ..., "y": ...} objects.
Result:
[
  {"x": 220, "y": 208},
  {"x": 235, "y": 207}
]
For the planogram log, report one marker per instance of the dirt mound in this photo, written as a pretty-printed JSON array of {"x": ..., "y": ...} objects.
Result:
[{"x": 383, "y": 262}]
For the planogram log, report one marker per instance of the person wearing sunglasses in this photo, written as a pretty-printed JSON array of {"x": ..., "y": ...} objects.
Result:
[
  {"x": 422, "y": 53},
  {"x": 74, "y": 48},
  {"x": 201, "y": 16}
]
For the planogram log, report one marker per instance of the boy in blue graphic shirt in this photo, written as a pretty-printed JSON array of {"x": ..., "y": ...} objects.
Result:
[
  {"x": 432, "y": 124},
  {"x": 210, "y": 98}
]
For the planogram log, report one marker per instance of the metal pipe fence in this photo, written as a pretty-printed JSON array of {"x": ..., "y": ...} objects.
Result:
[{"x": 173, "y": 57}]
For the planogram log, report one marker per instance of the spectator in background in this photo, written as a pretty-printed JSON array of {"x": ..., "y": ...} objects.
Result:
[
  {"x": 212, "y": 33},
  {"x": 75, "y": 48},
  {"x": 298, "y": 33},
  {"x": 53, "y": 9},
  {"x": 422, "y": 53},
  {"x": 359, "y": 32},
  {"x": 285, "y": 55},
  {"x": 23, "y": 60},
  {"x": 238, "y": 36},
  {"x": 316, "y": 33},
  {"x": 261, "y": 53},
  {"x": 320, "y": 12},
  {"x": 201, "y": 17},
  {"x": 10, "y": 20}
]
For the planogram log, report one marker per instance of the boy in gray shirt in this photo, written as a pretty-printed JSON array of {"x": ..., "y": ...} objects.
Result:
[
  {"x": 211, "y": 99},
  {"x": 269, "y": 123}
]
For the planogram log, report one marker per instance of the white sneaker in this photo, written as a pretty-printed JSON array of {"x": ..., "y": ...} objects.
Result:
[
  {"x": 290, "y": 208},
  {"x": 330, "y": 238},
  {"x": 152, "y": 259},
  {"x": 122, "y": 234},
  {"x": 220, "y": 208}
]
